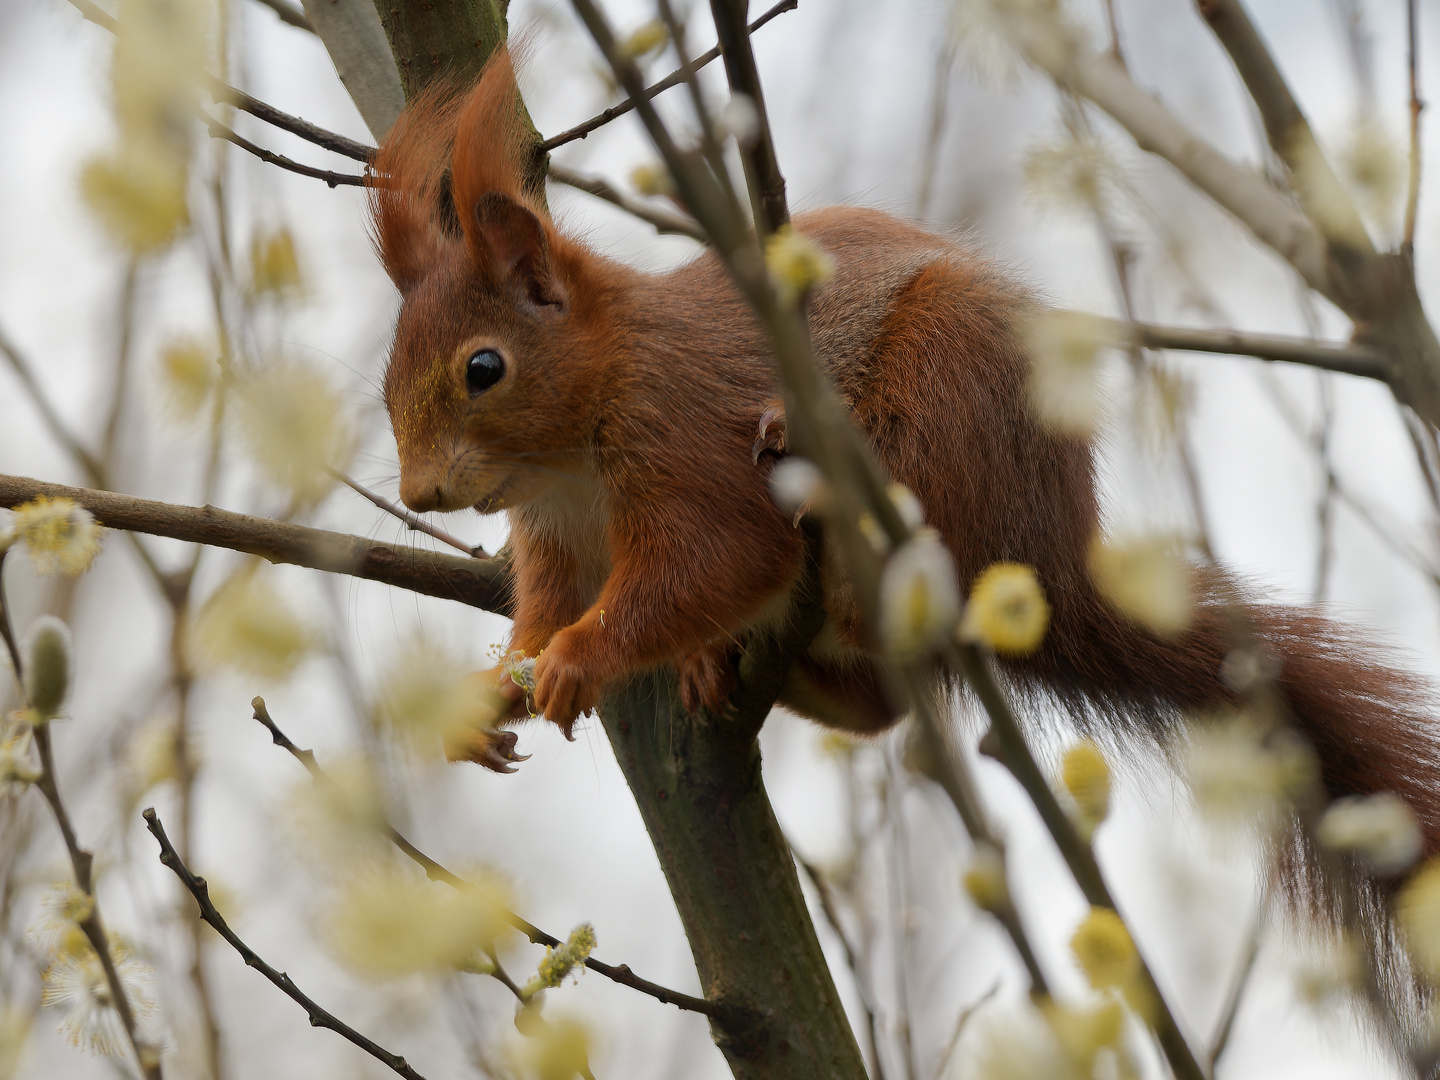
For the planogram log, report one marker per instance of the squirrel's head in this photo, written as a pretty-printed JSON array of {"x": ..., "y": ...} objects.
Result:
[{"x": 488, "y": 342}]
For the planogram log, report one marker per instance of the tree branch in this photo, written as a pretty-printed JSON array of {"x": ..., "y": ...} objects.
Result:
[
  {"x": 1273, "y": 220},
  {"x": 480, "y": 583},
  {"x": 289, "y": 14},
  {"x": 1321, "y": 194},
  {"x": 762, "y": 167},
  {"x": 81, "y": 861},
  {"x": 1006, "y": 743},
  {"x": 223, "y": 93},
  {"x": 412, "y": 521},
  {"x": 1361, "y": 360},
  {"x": 675, "y": 78},
  {"x": 664, "y": 221},
  {"x": 318, "y": 1016},
  {"x": 48, "y": 413},
  {"x": 218, "y": 130},
  {"x": 436, "y": 872}
]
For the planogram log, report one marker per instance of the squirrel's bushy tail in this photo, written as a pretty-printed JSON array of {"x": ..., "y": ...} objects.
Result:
[{"x": 1372, "y": 725}]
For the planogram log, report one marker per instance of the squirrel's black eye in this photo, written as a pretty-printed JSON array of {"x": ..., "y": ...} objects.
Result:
[{"x": 483, "y": 370}]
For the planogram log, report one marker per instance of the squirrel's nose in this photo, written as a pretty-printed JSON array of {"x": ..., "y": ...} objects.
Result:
[{"x": 420, "y": 493}]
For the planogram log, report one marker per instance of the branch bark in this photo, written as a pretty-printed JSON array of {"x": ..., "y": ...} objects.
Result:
[
  {"x": 1319, "y": 190},
  {"x": 480, "y": 583}
]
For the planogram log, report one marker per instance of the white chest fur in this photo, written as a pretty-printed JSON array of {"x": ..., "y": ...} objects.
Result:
[{"x": 573, "y": 514}]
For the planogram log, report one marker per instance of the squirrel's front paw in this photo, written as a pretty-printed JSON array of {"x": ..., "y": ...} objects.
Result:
[
  {"x": 563, "y": 688},
  {"x": 495, "y": 749}
]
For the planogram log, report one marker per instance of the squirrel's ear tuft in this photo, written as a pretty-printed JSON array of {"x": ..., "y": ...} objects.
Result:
[
  {"x": 513, "y": 242},
  {"x": 494, "y": 144},
  {"x": 408, "y": 185}
]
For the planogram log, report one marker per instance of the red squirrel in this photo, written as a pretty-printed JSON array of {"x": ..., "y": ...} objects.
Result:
[{"x": 612, "y": 413}]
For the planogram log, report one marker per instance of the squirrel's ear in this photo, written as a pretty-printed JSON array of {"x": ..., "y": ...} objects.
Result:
[{"x": 512, "y": 240}]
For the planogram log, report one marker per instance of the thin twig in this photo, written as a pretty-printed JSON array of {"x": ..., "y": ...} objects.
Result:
[
  {"x": 757, "y": 153},
  {"x": 966, "y": 1014},
  {"x": 200, "y": 890},
  {"x": 1412, "y": 195},
  {"x": 436, "y": 872},
  {"x": 289, "y": 14},
  {"x": 48, "y": 413},
  {"x": 939, "y": 96},
  {"x": 220, "y": 91},
  {"x": 675, "y": 78},
  {"x": 223, "y": 93},
  {"x": 1237, "y": 991},
  {"x": 218, "y": 130},
  {"x": 411, "y": 520},
  {"x": 481, "y": 583},
  {"x": 1006, "y": 743},
  {"x": 81, "y": 861},
  {"x": 1361, "y": 360},
  {"x": 664, "y": 221}
]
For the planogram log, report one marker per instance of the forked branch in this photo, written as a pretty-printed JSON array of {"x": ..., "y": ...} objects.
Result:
[
  {"x": 436, "y": 872},
  {"x": 319, "y": 1017}
]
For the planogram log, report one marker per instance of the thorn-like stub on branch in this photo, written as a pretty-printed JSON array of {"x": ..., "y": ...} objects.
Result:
[{"x": 990, "y": 744}]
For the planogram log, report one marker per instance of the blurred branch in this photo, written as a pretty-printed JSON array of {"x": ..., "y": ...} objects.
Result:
[
  {"x": 81, "y": 861},
  {"x": 289, "y": 14},
  {"x": 62, "y": 434},
  {"x": 762, "y": 167},
  {"x": 1006, "y": 743},
  {"x": 675, "y": 78},
  {"x": 411, "y": 520},
  {"x": 94, "y": 468},
  {"x": 481, "y": 583},
  {"x": 961, "y": 1021},
  {"x": 123, "y": 350},
  {"x": 436, "y": 872},
  {"x": 1244, "y": 193},
  {"x": 318, "y": 1016},
  {"x": 1315, "y": 184},
  {"x": 96, "y": 14},
  {"x": 1237, "y": 991},
  {"x": 665, "y": 221},
  {"x": 1412, "y": 194},
  {"x": 221, "y": 91},
  {"x": 218, "y": 130},
  {"x": 939, "y": 96},
  {"x": 1361, "y": 360}
]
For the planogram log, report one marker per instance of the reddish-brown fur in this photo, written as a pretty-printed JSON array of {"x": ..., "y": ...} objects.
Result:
[{"x": 619, "y": 440}]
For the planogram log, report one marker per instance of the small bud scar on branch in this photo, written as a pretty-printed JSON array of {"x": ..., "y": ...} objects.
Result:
[
  {"x": 318, "y": 1016},
  {"x": 436, "y": 872}
]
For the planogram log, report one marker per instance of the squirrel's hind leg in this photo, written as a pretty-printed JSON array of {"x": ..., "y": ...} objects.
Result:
[
  {"x": 707, "y": 676},
  {"x": 848, "y": 696}
]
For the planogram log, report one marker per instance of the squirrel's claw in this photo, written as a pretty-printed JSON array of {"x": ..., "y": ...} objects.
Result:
[
  {"x": 772, "y": 434},
  {"x": 495, "y": 750}
]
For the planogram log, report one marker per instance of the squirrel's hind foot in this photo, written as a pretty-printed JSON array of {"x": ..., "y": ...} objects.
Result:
[{"x": 707, "y": 677}]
